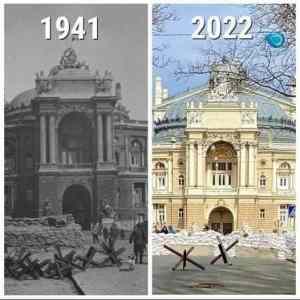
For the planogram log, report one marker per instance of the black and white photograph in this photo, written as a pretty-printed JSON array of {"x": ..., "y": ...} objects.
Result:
[{"x": 75, "y": 92}]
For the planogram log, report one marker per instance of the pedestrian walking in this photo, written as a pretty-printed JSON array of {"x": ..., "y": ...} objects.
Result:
[{"x": 138, "y": 237}]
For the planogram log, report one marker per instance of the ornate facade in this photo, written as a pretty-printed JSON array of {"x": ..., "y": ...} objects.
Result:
[
  {"x": 224, "y": 155},
  {"x": 70, "y": 147}
]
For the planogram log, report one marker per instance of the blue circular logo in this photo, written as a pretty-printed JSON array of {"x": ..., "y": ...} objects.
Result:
[{"x": 275, "y": 39}]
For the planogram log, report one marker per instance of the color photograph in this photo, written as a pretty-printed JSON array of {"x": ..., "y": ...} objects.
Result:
[{"x": 224, "y": 149}]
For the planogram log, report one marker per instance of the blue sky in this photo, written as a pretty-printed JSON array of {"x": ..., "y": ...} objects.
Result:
[{"x": 184, "y": 48}]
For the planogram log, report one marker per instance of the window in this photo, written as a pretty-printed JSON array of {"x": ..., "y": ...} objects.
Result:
[
  {"x": 181, "y": 180},
  {"x": 138, "y": 195},
  {"x": 10, "y": 155},
  {"x": 229, "y": 179},
  {"x": 159, "y": 213},
  {"x": 160, "y": 176},
  {"x": 221, "y": 179},
  {"x": 283, "y": 215},
  {"x": 180, "y": 213},
  {"x": 161, "y": 181},
  {"x": 262, "y": 181},
  {"x": 136, "y": 154},
  {"x": 222, "y": 166},
  {"x": 262, "y": 213},
  {"x": 284, "y": 176},
  {"x": 283, "y": 182},
  {"x": 221, "y": 162}
]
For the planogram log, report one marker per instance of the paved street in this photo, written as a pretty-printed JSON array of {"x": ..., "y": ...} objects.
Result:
[
  {"x": 93, "y": 281},
  {"x": 245, "y": 277}
]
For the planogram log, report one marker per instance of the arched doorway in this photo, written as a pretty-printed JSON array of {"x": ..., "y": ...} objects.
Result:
[
  {"x": 77, "y": 201},
  {"x": 221, "y": 220}
]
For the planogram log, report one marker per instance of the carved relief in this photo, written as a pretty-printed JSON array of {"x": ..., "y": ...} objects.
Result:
[
  {"x": 66, "y": 108},
  {"x": 194, "y": 119},
  {"x": 231, "y": 137},
  {"x": 248, "y": 118}
]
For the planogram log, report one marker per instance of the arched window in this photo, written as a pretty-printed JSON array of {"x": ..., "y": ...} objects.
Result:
[
  {"x": 75, "y": 139},
  {"x": 159, "y": 176},
  {"x": 136, "y": 155},
  {"x": 221, "y": 165},
  {"x": 181, "y": 180},
  {"x": 10, "y": 155},
  {"x": 262, "y": 181},
  {"x": 284, "y": 177}
]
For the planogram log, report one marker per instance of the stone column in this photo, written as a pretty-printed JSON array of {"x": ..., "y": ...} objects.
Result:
[
  {"x": 43, "y": 139},
  {"x": 52, "y": 138},
  {"x": 170, "y": 176},
  {"x": 243, "y": 166},
  {"x": 109, "y": 134},
  {"x": 187, "y": 165},
  {"x": 126, "y": 153},
  {"x": 252, "y": 165},
  {"x": 274, "y": 183},
  {"x": 200, "y": 164},
  {"x": 192, "y": 164},
  {"x": 204, "y": 172},
  {"x": 100, "y": 137}
]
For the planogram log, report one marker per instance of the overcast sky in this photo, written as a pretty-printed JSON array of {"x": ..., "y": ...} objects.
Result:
[{"x": 122, "y": 47}]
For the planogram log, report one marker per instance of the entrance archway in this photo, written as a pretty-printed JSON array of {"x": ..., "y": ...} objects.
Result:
[
  {"x": 221, "y": 220},
  {"x": 77, "y": 201}
]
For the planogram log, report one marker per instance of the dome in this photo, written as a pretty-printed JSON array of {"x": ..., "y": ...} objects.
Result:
[
  {"x": 272, "y": 119},
  {"x": 266, "y": 107},
  {"x": 23, "y": 99}
]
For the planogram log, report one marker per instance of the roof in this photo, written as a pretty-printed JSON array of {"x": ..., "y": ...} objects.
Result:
[
  {"x": 23, "y": 99},
  {"x": 272, "y": 119}
]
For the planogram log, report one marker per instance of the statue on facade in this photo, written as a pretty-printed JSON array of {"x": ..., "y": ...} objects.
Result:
[{"x": 42, "y": 84}]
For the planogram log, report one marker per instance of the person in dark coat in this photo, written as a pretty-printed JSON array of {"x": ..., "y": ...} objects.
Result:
[{"x": 138, "y": 237}]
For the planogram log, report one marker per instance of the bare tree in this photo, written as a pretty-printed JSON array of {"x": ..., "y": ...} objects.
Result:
[
  {"x": 270, "y": 68},
  {"x": 161, "y": 15}
]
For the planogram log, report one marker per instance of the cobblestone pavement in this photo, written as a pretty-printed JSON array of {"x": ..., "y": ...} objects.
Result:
[
  {"x": 110, "y": 281},
  {"x": 245, "y": 277}
]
